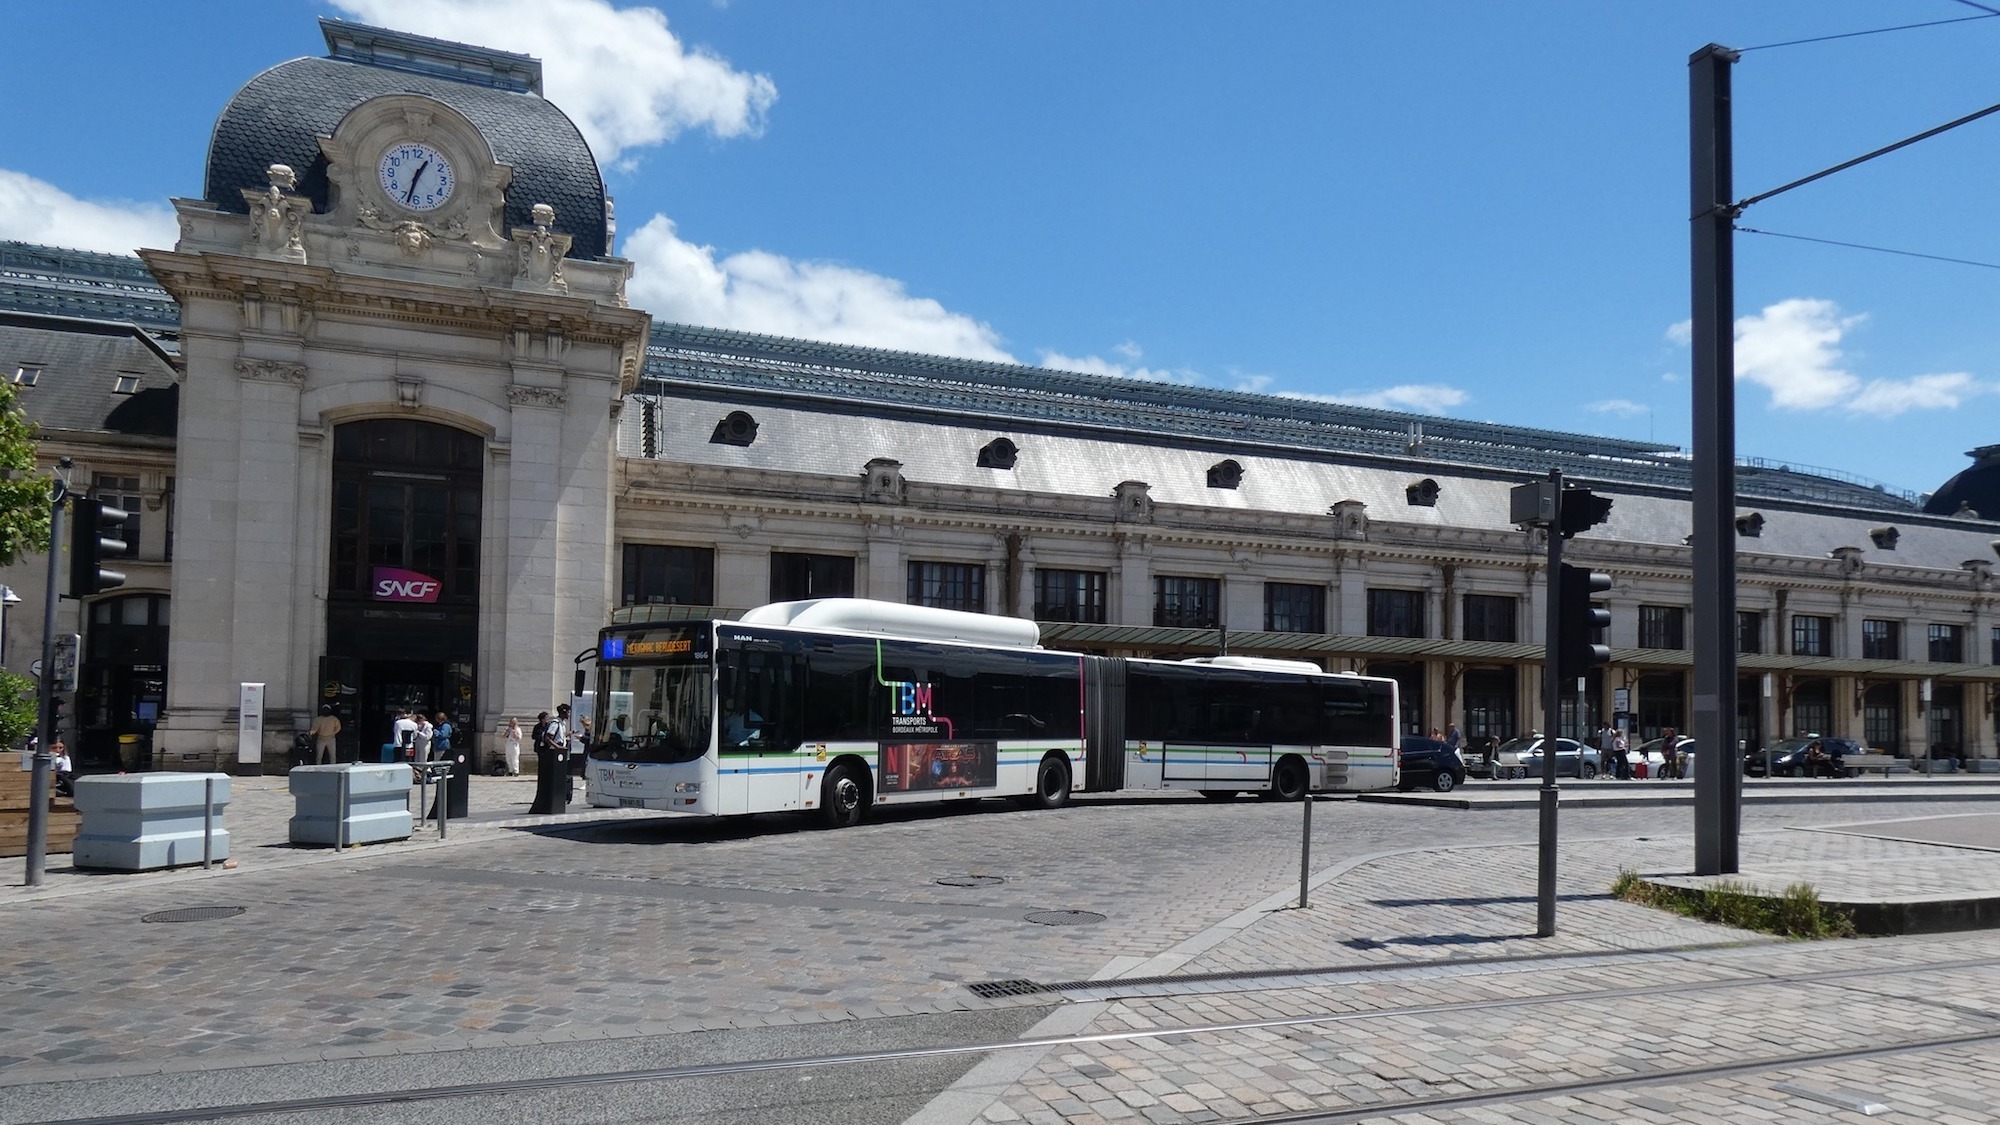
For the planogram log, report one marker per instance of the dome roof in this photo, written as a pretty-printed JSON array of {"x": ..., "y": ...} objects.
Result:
[
  {"x": 1977, "y": 487},
  {"x": 279, "y": 115}
]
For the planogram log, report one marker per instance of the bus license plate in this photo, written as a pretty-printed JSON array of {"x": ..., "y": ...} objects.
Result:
[{"x": 631, "y": 802}]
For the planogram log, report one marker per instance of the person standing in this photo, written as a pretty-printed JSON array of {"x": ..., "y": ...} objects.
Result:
[
  {"x": 1670, "y": 758},
  {"x": 61, "y": 769},
  {"x": 510, "y": 744},
  {"x": 420, "y": 740},
  {"x": 323, "y": 730},
  {"x": 551, "y": 779},
  {"x": 441, "y": 732},
  {"x": 1620, "y": 763},
  {"x": 403, "y": 733}
]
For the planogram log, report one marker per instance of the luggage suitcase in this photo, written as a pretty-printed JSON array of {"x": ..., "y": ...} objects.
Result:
[{"x": 1639, "y": 770}]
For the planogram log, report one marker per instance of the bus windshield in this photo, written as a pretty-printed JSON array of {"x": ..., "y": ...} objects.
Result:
[{"x": 655, "y": 713}]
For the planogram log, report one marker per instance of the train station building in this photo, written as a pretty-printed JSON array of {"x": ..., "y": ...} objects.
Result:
[{"x": 392, "y": 437}]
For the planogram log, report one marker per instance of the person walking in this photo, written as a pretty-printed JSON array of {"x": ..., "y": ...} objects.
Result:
[
  {"x": 1670, "y": 759},
  {"x": 510, "y": 745},
  {"x": 323, "y": 730}
]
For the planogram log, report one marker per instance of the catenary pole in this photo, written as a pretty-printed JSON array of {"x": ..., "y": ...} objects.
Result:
[
  {"x": 1718, "y": 779},
  {"x": 38, "y": 786}
]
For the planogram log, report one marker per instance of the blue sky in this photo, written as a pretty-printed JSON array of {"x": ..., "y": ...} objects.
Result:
[{"x": 1474, "y": 210}]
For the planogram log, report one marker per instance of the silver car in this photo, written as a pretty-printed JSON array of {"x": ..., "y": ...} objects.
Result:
[{"x": 1573, "y": 759}]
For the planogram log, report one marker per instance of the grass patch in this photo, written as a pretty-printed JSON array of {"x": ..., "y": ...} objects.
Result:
[{"x": 1798, "y": 913}]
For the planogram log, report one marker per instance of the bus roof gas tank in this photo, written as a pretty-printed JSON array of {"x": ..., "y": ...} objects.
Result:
[
  {"x": 890, "y": 619},
  {"x": 1261, "y": 663}
]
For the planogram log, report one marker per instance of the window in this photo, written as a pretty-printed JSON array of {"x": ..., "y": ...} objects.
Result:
[
  {"x": 1070, "y": 595},
  {"x": 1490, "y": 617},
  {"x": 796, "y": 577},
  {"x": 1189, "y": 603},
  {"x": 1662, "y": 626},
  {"x": 736, "y": 428},
  {"x": 125, "y": 385},
  {"x": 1948, "y": 644},
  {"x": 998, "y": 454},
  {"x": 406, "y": 495},
  {"x": 1396, "y": 613},
  {"x": 1996, "y": 644},
  {"x": 27, "y": 375},
  {"x": 121, "y": 493},
  {"x": 948, "y": 586},
  {"x": 661, "y": 575},
  {"x": 1291, "y": 607},
  {"x": 1882, "y": 716},
  {"x": 1225, "y": 474},
  {"x": 1812, "y": 636},
  {"x": 1881, "y": 640},
  {"x": 1749, "y": 632}
]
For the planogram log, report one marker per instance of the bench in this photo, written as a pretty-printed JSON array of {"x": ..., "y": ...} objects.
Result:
[
  {"x": 16, "y": 790},
  {"x": 1856, "y": 764}
]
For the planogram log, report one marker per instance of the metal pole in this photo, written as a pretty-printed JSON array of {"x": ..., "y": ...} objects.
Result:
[
  {"x": 1306, "y": 852},
  {"x": 1545, "y": 883},
  {"x": 444, "y": 799},
  {"x": 207, "y": 823},
  {"x": 341, "y": 814},
  {"x": 1718, "y": 798},
  {"x": 38, "y": 786}
]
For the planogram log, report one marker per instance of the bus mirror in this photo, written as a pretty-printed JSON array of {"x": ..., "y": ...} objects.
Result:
[{"x": 579, "y": 682}]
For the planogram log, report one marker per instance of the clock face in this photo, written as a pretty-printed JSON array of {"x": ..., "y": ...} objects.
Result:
[{"x": 416, "y": 176}]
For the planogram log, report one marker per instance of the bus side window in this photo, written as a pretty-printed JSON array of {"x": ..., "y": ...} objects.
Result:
[{"x": 760, "y": 701}]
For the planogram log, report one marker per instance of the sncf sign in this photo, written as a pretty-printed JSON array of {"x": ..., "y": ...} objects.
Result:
[{"x": 394, "y": 585}]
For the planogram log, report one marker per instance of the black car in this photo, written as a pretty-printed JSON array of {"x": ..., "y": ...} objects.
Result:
[
  {"x": 1807, "y": 756},
  {"x": 1426, "y": 761}
]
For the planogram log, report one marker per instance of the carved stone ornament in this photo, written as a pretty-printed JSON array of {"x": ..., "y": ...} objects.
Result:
[
  {"x": 272, "y": 371},
  {"x": 1134, "y": 500},
  {"x": 409, "y": 392},
  {"x": 882, "y": 481},
  {"x": 539, "y": 253},
  {"x": 278, "y": 216},
  {"x": 1350, "y": 519},
  {"x": 547, "y": 397}
]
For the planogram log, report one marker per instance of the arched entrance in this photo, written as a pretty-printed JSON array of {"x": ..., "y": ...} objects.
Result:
[{"x": 402, "y": 618}]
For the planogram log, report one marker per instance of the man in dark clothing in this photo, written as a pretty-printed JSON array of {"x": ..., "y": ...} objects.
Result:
[{"x": 551, "y": 774}]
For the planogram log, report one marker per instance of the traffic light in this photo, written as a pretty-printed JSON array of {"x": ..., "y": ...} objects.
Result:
[
  {"x": 95, "y": 535},
  {"x": 1576, "y": 652},
  {"x": 1582, "y": 510}
]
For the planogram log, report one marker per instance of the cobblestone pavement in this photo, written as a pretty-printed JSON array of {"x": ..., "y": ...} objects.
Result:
[{"x": 1418, "y": 936}]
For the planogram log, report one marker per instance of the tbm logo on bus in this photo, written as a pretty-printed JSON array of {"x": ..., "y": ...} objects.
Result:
[{"x": 908, "y": 698}]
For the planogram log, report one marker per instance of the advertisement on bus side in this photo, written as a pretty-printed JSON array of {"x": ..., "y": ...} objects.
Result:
[{"x": 913, "y": 767}]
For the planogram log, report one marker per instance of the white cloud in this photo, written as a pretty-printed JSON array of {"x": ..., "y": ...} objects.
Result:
[
  {"x": 1682, "y": 333},
  {"x": 1623, "y": 407},
  {"x": 757, "y": 291},
  {"x": 1890, "y": 397},
  {"x": 1098, "y": 365},
  {"x": 1792, "y": 349},
  {"x": 1420, "y": 398},
  {"x": 625, "y": 79},
  {"x": 34, "y": 211}
]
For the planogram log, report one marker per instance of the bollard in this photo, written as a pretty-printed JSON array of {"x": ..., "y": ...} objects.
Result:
[
  {"x": 1306, "y": 852},
  {"x": 207, "y": 823},
  {"x": 340, "y": 815},
  {"x": 444, "y": 805}
]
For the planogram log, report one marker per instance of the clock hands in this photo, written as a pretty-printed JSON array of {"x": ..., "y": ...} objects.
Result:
[{"x": 412, "y": 193}]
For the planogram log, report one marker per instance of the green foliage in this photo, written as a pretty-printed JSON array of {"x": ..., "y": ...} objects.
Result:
[
  {"x": 24, "y": 493},
  {"x": 17, "y": 709},
  {"x": 1798, "y": 913}
]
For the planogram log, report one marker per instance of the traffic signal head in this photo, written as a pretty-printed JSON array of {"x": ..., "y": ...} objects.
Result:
[
  {"x": 1582, "y": 510},
  {"x": 1577, "y": 651},
  {"x": 96, "y": 531}
]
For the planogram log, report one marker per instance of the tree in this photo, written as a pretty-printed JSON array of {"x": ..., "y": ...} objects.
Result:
[
  {"x": 24, "y": 492},
  {"x": 17, "y": 710}
]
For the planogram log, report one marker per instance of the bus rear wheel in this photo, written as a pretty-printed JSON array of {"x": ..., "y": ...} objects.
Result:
[
  {"x": 1288, "y": 781},
  {"x": 843, "y": 797},
  {"x": 1051, "y": 785}
]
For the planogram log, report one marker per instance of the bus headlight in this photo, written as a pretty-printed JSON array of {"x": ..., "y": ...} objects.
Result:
[{"x": 687, "y": 786}]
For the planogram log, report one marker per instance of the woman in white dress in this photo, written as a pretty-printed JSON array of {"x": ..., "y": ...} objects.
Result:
[{"x": 510, "y": 741}]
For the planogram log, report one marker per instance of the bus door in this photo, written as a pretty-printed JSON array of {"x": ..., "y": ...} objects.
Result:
[{"x": 760, "y": 727}]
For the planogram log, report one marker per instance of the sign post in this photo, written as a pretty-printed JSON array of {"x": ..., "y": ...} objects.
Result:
[{"x": 250, "y": 724}]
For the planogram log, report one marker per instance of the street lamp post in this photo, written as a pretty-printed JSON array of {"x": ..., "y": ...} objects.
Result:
[{"x": 8, "y": 598}]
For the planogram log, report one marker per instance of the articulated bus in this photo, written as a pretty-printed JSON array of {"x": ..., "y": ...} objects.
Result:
[{"x": 833, "y": 706}]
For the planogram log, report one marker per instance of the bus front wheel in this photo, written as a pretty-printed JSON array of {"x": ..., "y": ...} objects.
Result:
[
  {"x": 1051, "y": 785},
  {"x": 843, "y": 797}
]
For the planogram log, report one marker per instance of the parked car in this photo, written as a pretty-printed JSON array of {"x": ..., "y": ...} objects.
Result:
[
  {"x": 1426, "y": 761},
  {"x": 1805, "y": 756},
  {"x": 1573, "y": 759},
  {"x": 1652, "y": 752}
]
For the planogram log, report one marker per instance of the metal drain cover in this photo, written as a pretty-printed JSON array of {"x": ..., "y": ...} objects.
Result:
[
  {"x": 971, "y": 881},
  {"x": 194, "y": 914},
  {"x": 1065, "y": 917},
  {"x": 991, "y": 989}
]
